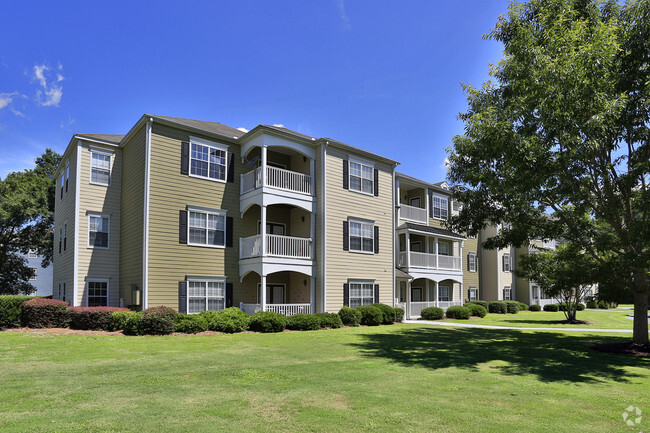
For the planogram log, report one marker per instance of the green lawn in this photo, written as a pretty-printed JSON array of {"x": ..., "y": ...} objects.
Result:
[
  {"x": 398, "y": 378},
  {"x": 601, "y": 319}
]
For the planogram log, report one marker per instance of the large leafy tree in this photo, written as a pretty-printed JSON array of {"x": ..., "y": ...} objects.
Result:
[
  {"x": 26, "y": 221},
  {"x": 564, "y": 128}
]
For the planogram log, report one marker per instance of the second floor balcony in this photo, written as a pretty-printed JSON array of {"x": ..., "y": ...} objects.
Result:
[
  {"x": 413, "y": 259},
  {"x": 289, "y": 247},
  {"x": 413, "y": 213},
  {"x": 279, "y": 178}
]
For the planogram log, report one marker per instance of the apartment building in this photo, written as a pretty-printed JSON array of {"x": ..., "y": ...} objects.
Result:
[
  {"x": 197, "y": 215},
  {"x": 42, "y": 278}
]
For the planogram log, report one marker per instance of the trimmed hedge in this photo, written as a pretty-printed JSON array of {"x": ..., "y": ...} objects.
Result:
[
  {"x": 475, "y": 309},
  {"x": 119, "y": 319},
  {"x": 371, "y": 315},
  {"x": 267, "y": 321},
  {"x": 399, "y": 314},
  {"x": 11, "y": 307},
  {"x": 458, "y": 312},
  {"x": 93, "y": 318},
  {"x": 604, "y": 305},
  {"x": 303, "y": 322},
  {"x": 432, "y": 313},
  {"x": 512, "y": 307},
  {"x": 484, "y": 304},
  {"x": 350, "y": 316},
  {"x": 388, "y": 312},
  {"x": 191, "y": 323},
  {"x": 522, "y": 306},
  {"x": 534, "y": 307},
  {"x": 158, "y": 320},
  {"x": 592, "y": 304},
  {"x": 230, "y": 320},
  {"x": 329, "y": 320},
  {"x": 45, "y": 313},
  {"x": 551, "y": 307},
  {"x": 498, "y": 307},
  {"x": 562, "y": 306},
  {"x": 131, "y": 325}
]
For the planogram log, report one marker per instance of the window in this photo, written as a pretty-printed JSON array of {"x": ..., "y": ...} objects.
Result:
[
  {"x": 361, "y": 293},
  {"x": 63, "y": 298},
  {"x": 67, "y": 177},
  {"x": 473, "y": 293},
  {"x": 272, "y": 228},
  {"x": 208, "y": 161},
  {"x": 443, "y": 293},
  {"x": 443, "y": 248},
  {"x": 471, "y": 262},
  {"x": 100, "y": 167},
  {"x": 65, "y": 236},
  {"x": 60, "y": 239},
  {"x": 507, "y": 293},
  {"x": 440, "y": 207},
  {"x": 207, "y": 228},
  {"x": 361, "y": 236},
  {"x": 62, "y": 182},
  {"x": 32, "y": 254},
  {"x": 34, "y": 275},
  {"x": 97, "y": 293},
  {"x": 98, "y": 230},
  {"x": 361, "y": 177},
  {"x": 506, "y": 263},
  {"x": 414, "y": 201},
  {"x": 59, "y": 297},
  {"x": 205, "y": 295}
]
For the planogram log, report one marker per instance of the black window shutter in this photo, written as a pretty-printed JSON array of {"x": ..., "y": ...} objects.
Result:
[
  {"x": 376, "y": 239},
  {"x": 346, "y": 236},
  {"x": 66, "y": 185},
  {"x": 229, "y": 228},
  {"x": 228, "y": 295},
  {"x": 182, "y": 297},
  {"x": 61, "y": 191},
  {"x": 346, "y": 295},
  {"x": 185, "y": 157},
  {"x": 182, "y": 227},
  {"x": 65, "y": 243},
  {"x": 59, "y": 246},
  {"x": 376, "y": 182},
  {"x": 346, "y": 175},
  {"x": 376, "y": 293},
  {"x": 231, "y": 168}
]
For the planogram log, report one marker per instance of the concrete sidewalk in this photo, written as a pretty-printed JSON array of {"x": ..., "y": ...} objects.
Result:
[{"x": 470, "y": 325}]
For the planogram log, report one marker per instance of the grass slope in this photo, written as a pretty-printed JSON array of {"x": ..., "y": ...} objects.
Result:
[
  {"x": 601, "y": 319},
  {"x": 389, "y": 378}
]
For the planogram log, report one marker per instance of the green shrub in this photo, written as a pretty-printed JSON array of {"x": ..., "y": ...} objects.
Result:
[
  {"x": 230, "y": 320},
  {"x": 303, "y": 322},
  {"x": 45, "y": 313},
  {"x": 329, "y": 320},
  {"x": 522, "y": 306},
  {"x": 534, "y": 307},
  {"x": 512, "y": 307},
  {"x": 132, "y": 322},
  {"x": 350, "y": 316},
  {"x": 266, "y": 321},
  {"x": 562, "y": 306},
  {"x": 11, "y": 307},
  {"x": 119, "y": 319},
  {"x": 371, "y": 315},
  {"x": 476, "y": 310},
  {"x": 458, "y": 312},
  {"x": 388, "y": 312},
  {"x": 604, "y": 305},
  {"x": 191, "y": 323},
  {"x": 399, "y": 314},
  {"x": 498, "y": 307},
  {"x": 551, "y": 307},
  {"x": 484, "y": 304},
  {"x": 158, "y": 320},
  {"x": 592, "y": 303},
  {"x": 93, "y": 318},
  {"x": 432, "y": 313}
]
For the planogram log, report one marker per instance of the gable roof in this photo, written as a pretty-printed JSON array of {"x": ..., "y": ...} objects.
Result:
[
  {"x": 204, "y": 125},
  {"x": 108, "y": 138}
]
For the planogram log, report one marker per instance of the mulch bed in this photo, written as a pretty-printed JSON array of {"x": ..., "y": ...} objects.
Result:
[{"x": 627, "y": 348}]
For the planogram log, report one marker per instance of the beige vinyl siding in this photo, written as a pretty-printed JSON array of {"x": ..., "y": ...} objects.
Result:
[
  {"x": 506, "y": 278},
  {"x": 488, "y": 266},
  {"x": 132, "y": 214},
  {"x": 171, "y": 192},
  {"x": 104, "y": 200},
  {"x": 64, "y": 212},
  {"x": 470, "y": 279},
  {"x": 343, "y": 204}
]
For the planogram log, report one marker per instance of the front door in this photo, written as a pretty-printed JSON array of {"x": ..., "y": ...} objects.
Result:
[
  {"x": 275, "y": 293},
  {"x": 416, "y": 294}
]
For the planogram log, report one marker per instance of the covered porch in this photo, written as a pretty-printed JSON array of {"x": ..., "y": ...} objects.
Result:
[
  {"x": 417, "y": 293},
  {"x": 285, "y": 292}
]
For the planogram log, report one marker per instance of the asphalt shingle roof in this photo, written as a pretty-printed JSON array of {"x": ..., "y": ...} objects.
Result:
[
  {"x": 109, "y": 138},
  {"x": 211, "y": 127},
  {"x": 429, "y": 229}
]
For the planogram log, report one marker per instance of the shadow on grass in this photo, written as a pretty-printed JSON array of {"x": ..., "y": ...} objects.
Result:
[
  {"x": 541, "y": 323},
  {"x": 550, "y": 356}
]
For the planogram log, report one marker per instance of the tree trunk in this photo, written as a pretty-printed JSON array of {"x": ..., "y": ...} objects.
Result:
[{"x": 640, "y": 330}]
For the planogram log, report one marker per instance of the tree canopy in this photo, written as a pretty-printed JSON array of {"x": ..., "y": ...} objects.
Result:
[{"x": 557, "y": 144}]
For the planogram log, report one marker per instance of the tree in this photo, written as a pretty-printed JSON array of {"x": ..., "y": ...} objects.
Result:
[
  {"x": 565, "y": 274},
  {"x": 26, "y": 219},
  {"x": 564, "y": 127}
]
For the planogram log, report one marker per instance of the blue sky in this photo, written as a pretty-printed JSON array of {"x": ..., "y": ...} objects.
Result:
[{"x": 380, "y": 75}]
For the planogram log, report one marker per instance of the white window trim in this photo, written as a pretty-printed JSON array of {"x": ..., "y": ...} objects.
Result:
[
  {"x": 61, "y": 191},
  {"x": 509, "y": 289},
  {"x": 472, "y": 262},
  {"x": 443, "y": 197},
  {"x": 259, "y": 227},
  {"x": 208, "y": 211},
  {"x": 99, "y": 280},
  {"x": 450, "y": 293},
  {"x": 284, "y": 291},
  {"x": 509, "y": 262},
  {"x": 470, "y": 291},
  {"x": 199, "y": 279},
  {"x": 372, "y": 231},
  {"x": 110, "y": 166},
  {"x": 65, "y": 236},
  {"x": 67, "y": 176},
  {"x": 98, "y": 215},
  {"x": 32, "y": 254},
  {"x": 213, "y": 144},
  {"x": 367, "y": 164},
  {"x": 372, "y": 285}
]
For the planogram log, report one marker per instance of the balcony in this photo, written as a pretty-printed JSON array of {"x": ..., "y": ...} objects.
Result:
[
  {"x": 276, "y": 246},
  {"x": 412, "y": 213},
  {"x": 278, "y": 178},
  {"x": 415, "y": 259}
]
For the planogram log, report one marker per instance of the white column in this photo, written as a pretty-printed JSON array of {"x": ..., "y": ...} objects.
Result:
[
  {"x": 436, "y": 293},
  {"x": 312, "y": 175},
  {"x": 436, "y": 258},
  {"x": 263, "y": 294},
  {"x": 312, "y": 235},
  {"x": 397, "y": 196},
  {"x": 263, "y": 230},
  {"x": 408, "y": 249},
  {"x": 312, "y": 294},
  {"x": 426, "y": 204},
  {"x": 263, "y": 165},
  {"x": 460, "y": 254},
  {"x": 460, "y": 294},
  {"x": 407, "y": 313}
]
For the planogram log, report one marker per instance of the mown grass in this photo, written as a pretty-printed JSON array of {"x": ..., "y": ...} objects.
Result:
[
  {"x": 600, "y": 319},
  {"x": 388, "y": 378}
]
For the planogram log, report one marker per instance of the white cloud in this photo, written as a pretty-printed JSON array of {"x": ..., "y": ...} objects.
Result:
[
  {"x": 17, "y": 113},
  {"x": 344, "y": 16},
  {"x": 6, "y": 99},
  {"x": 51, "y": 93},
  {"x": 65, "y": 124}
]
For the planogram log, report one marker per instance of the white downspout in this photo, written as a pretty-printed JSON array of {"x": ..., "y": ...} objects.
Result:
[{"x": 145, "y": 234}]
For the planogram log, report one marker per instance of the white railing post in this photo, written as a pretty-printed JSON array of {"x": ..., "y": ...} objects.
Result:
[{"x": 263, "y": 167}]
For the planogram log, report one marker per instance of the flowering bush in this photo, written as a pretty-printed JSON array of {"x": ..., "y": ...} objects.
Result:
[
  {"x": 93, "y": 318},
  {"x": 45, "y": 313}
]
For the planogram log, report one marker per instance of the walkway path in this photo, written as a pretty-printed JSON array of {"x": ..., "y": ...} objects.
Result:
[{"x": 470, "y": 325}]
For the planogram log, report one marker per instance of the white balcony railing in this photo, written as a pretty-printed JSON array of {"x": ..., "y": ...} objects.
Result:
[
  {"x": 280, "y": 178},
  {"x": 428, "y": 261},
  {"x": 417, "y": 307},
  {"x": 412, "y": 213},
  {"x": 289, "y": 309},
  {"x": 276, "y": 246}
]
